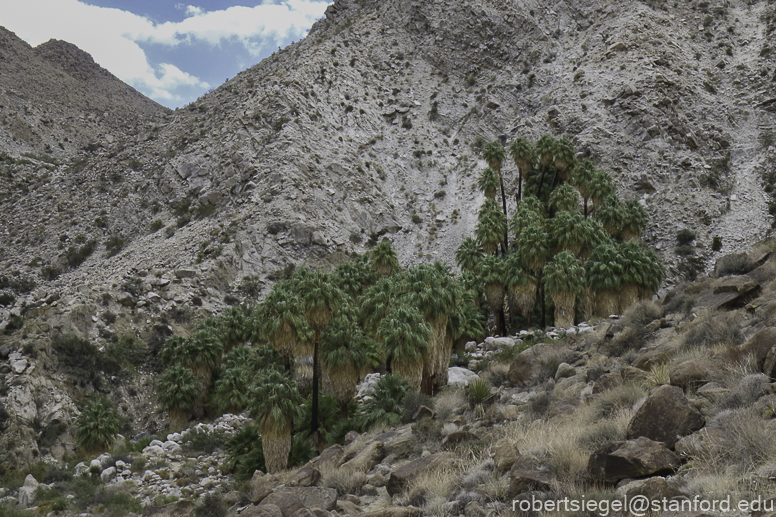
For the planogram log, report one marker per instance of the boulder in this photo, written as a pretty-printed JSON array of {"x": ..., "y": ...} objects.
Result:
[
  {"x": 692, "y": 373},
  {"x": 185, "y": 273},
  {"x": 504, "y": 455},
  {"x": 399, "y": 442},
  {"x": 423, "y": 413},
  {"x": 401, "y": 476},
  {"x": 291, "y": 499},
  {"x": 734, "y": 292},
  {"x": 527, "y": 364},
  {"x": 459, "y": 377},
  {"x": 631, "y": 459},
  {"x": 264, "y": 510},
  {"x": 395, "y": 511},
  {"x": 607, "y": 382},
  {"x": 565, "y": 370},
  {"x": 306, "y": 476},
  {"x": 760, "y": 344},
  {"x": 665, "y": 416},
  {"x": 497, "y": 343},
  {"x": 262, "y": 485},
  {"x": 367, "y": 458},
  {"x": 525, "y": 480},
  {"x": 654, "y": 488},
  {"x": 650, "y": 359},
  {"x": 454, "y": 439},
  {"x": 26, "y": 495},
  {"x": 331, "y": 458}
]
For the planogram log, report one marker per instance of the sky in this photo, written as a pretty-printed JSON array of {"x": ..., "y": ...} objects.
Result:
[{"x": 171, "y": 51}]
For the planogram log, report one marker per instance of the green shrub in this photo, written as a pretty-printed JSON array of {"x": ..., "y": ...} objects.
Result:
[
  {"x": 7, "y": 299},
  {"x": 385, "y": 406},
  {"x": 478, "y": 391},
  {"x": 76, "y": 255},
  {"x": 212, "y": 506},
  {"x": 82, "y": 357},
  {"x": 200, "y": 440},
  {"x": 156, "y": 225},
  {"x": 97, "y": 426},
  {"x": 737, "y": 264},
  {"x": 685, "y": 236},
  {"x": 117, "y": 504},
  {"x": 245, "y": 454},
  {"x": 716, "y": 244},
  {"x": 114, "y": 245},
  {"x": 412, "y": 402},
  {"x": 50, "y": 273}
]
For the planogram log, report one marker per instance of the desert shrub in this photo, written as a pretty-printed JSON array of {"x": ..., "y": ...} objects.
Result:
[
  {"x": 50, "y": 273},
  {"x": 448, "y": 402},
  {"x": 109, "y": 317},
  {"x": 478, "y": 391},
  {"x": 201, "y": 440},
  {"x": 642, "y": 313},
  {"x": 412, "y": 402},
  {"x": 684, "y": 237},
  {"x": 680, "y": 303},
  {"x": 596, "y": 436},
  {"x": 716, "y": 328},
  {"x": 427, "y": 429},
  {"x": 156, "y": 225},
  {"x": 114, "y": 245},
  {"x": 76, "y": 255},
  {"x": 302, "y": 451},
  {"x": 716, "y": 244},
  {"x": 748, "y": 391},
  {"x": 117, "y": 504},
  {"x": 736, "y": 264},
  {"x": 212, "y": 506},
  {"x": 609, "y": 402},
  {"x": 82, "y": 357},
  {"x": 344, "y": 481},
  {"x": 747, "y": 442},
  {"x": 244, "y": 453},
  {"x": 251, "y": 286},
  {"x": 97, "y": 426},
  {"x": 7, "y": 299}
]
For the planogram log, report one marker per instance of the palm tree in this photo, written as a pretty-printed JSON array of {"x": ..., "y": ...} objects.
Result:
[
  {"x": 97, "y": 426},
  {"x": 491, "y": 225},
  {"x": 564, "y": 232},
  {"x": 493, "y": 275},
  {"x": 610, "y": 214},
  {"x": 564, "y": 198},
  {"x": 466, "y": 322},
  {"x": 230, "y": 392},
  {"x": 533, "y": 251},
  {"x": 494, "y": 154},
  {"x": 233, "y": 327},
  {"x": 384, "y": 259},
  {"x": 178, "y": 393},
  {"x": 604, "y": 271},
  {"x": 489, "y": 183},
  {"x": 565, "y": 158},
  {"x": 345, "y": 351},
  {"x": 377, "y": 302},
  {"x": 275, "y": 402},
  {"x": 321, "y": 299},
  {"x": 527, "y": 215},
  {"x": 281, "y": 321},
  {"x": 592, "y": 235},
  {"x": 545, "y": 149},
  {"x": 582, "y": 178},
  {"x": 521, "y": 285},
  {"x": 564, "y": 277},
  {"x": 355, "y": 276},
  {"x": 634, "y": 220},
  {"x": 524, "y": 155},
  {"x": 385, "y": 406},
  {"x": 600, "y": 186},
  {"x": 642, "y": 273},
  {"x": 469, "y": 255},
  {"x": 404, "y": 338}
]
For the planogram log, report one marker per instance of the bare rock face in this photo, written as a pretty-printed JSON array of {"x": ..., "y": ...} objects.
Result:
[
  {"x": 631, "y": 459},
  {"x": 665, "y": 416}
]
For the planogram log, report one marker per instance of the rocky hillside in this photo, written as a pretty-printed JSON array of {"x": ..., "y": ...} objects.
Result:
[{"x": 55, "y": 100}]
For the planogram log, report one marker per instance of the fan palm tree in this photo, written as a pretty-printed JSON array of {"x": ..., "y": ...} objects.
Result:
[
  {"x": 384, "y": 260},
  {"x": 600, "y": 186},
  {"x": 524, "y": 155},
  {"x": 355, "y": 276},
  {"x": 345, "y": 351},
  {"x": 604, "y": 271},
  {"x": 230, "y": 392},
  {"x": 466, "y": 322},
  {"x": 526, "y": 216},
  {"x": 489, "y": 183},
  {"x": 97, "y": 426},
  {"x": 494, "y": 154},
  {"x": 469, "y": 255},
  {"x": 642, "y": 273},
  {"x": 178, "y": 393},
  {"x": 377, "y": 302},
  {"x": 564, "y": 198},
  {"x": 565, "y": 158},
  {"x": 404, "y": 338},
  {"x": 491, "y": 225},
  {"x": 592, "y": 235},
  {"x": 321, "y": 299},
  {"x": 634, "y": 220},
  {"x": 521, "y": 285},
  {"x": 564, "y": 278},
  {"x": 582, "y": 179},
  {"x": 493, "y": 275},
  {"x": 610, "y": 214},
  {"x": 203, "y": 353},
  {"x": 564, "y": 232},
  {"x": 275, "y": 402},
  {"x": 533, "y": 251},
  {"x": 545, "y": 149},
  {"x": 385, "y": 406},
  {"x": 281, "y": 321}
]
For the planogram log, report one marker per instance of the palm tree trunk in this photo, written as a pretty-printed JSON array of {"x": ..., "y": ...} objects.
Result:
[
  {"x": 541, "y": 183},
  {"x": 314, "y": 424},
  {"x": 564, "y": 309},
  {"x": 276, "y": 444},
  {"x": 540, "y": 286},
  {"x": 505, "y": 243},
  {"x": 586, "y": 214}
]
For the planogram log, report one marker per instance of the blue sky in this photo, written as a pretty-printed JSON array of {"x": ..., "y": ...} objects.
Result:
[{"x": 171, "y": 51}]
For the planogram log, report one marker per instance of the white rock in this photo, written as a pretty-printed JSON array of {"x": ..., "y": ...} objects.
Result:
[
  {"x": 80, "y": 469},
  {"x": 108, "y": 474},
  {"x": 120, "y": 465},
  {"x": 153, "y": 450},
  {"x": 471, "y": 346},
  {"x": 95, "y": 465},
  {"x": 368, "y": 386},
  {"x": 174, "y": 437},
  {"x": 457, "y": 376},
  {"x": 497, "y": 343},
  {"x": 565, "y": 370},
  {"x": 19, "y": 366},
  {"x": 156, "y": 443},
  {"x": 171, "y": 447},
  {"x": 104, "y": 460},
  {"x": 27, "y": 491}
]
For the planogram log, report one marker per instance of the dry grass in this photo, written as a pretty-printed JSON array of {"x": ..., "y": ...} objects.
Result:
[
  {"x": 716, "y": 328},
  {"x": 615, "y": 400},
  {"x": 496, "y": 373},
  {"x": 344, "y": 481},
  {"x": 642, "y": 313},
  {"x": 448, "y": 402},
  {"x": 659, "y": 375}
]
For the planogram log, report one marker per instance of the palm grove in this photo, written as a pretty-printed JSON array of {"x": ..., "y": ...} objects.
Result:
[{"x": 294, "y": 360}]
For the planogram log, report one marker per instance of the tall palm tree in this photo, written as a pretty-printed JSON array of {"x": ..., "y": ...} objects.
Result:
[
  {"x": 582, "y": 178},
  {"x": 493, "y": 274},
  {"x": 521, "y": 284},
  {"x": 545, "y": 149},
  {"x": 230, "y": 391},
  {"x": 529, "y": 213},
  {"x": 404, "y": 338},
  {"x": 355, "y": 276},
  {"x": 275, "y": 402},
  {"x": 494, "y": 154},
  {"x": 565, "y": 158},
  {"x": 642, "y": 273},
  {"x": 524, "y": 155},
  {"x": 321, "y": 299},
  {"x": 345, "y": 351},
  {"x": 491, "y": 225},
  {"x": 384, "y": 260},
  {"x": 466, "y": 322},
  {"x": 469, "y": 255},
  {"x": 233, "y": 327},
  {"x": 592, "y": 235},
  {"x": 489, "y": 183},
  {"x": 282, "y": 322},
  {"x": 564, "y": 278},
  {"x": 600, "y": 186},
  {"x": 533, "y": 251},
  {"x": 564, "y": 232},
  {"x": 634, "y": 220},
  {"x": 609, "y": 212},
  {"x": 377, "y": 302},
  {"x": 97, "y": 426},
  {"x": 604, "y": 271},
  {"x": 178, "y": 393},
  {"x": 564, "y": 198}
]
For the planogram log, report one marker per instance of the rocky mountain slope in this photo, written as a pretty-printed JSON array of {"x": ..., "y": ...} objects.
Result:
[
  {"x": 55, "y": 100},
  {"x": 370, "y": 126}
]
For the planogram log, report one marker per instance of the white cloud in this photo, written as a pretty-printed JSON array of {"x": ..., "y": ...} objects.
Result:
[{"x": 111, "y": 36}]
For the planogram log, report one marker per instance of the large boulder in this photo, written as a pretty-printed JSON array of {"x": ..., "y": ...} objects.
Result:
[
  {"x": 402, "y": 476},
  {"x": 459, "y": 377},
  {"x": 692, "y": 373},
  {"x": 26, "y": 494},
  {"x": 527, "y": 474},
  {"x": 395, "y": 511},
  {"x": 367, "y": 458},
  {"x": 631, "y": 459},
  {"x": 665, "y": 416},
  {"x": 760, "y": 344},
  {"x": 529, "y": 363},
  {"x": 265, "y": 510},
  {"x": 291, "y": 499},
  {"x": 654, "y": 489}
]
